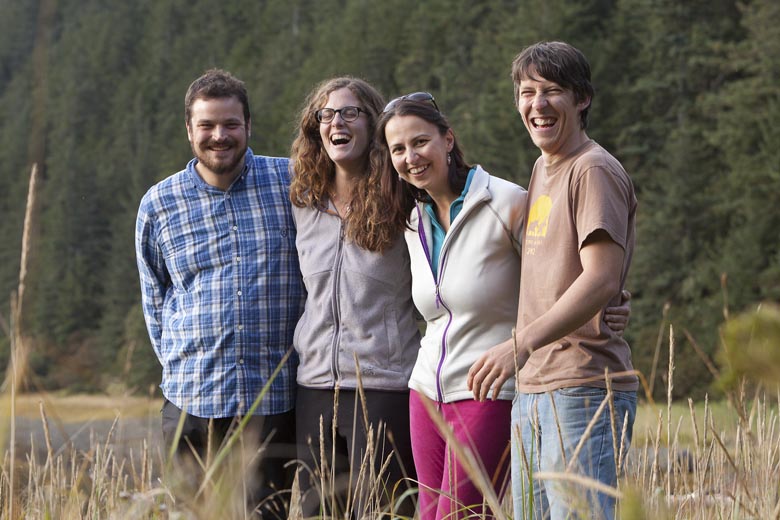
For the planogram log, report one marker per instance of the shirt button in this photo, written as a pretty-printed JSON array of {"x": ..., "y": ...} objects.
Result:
[
  {"x": 240, "y": 327},
  {"x": 239, "y": 293},
  {"x": 227, "y": 196},
  {"x": 238, "y": 259},
  {"x": 241, "y": 361},
  {"x": 235, "y": 228}
]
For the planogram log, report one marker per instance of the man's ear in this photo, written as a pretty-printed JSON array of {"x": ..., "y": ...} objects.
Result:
[{"x": 585, "y": 103}]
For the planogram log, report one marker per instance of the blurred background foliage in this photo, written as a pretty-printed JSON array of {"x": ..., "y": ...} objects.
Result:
[{"x": 687, "y": 98}]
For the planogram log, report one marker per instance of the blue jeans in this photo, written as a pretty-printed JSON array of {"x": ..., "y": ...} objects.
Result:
[{"x": 542, "y": 443}]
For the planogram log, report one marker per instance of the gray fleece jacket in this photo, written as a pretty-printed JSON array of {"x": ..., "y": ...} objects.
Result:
[{"x": 358, "y": 303}]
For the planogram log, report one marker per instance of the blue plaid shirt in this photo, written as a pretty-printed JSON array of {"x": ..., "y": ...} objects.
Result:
[{"x": 221, "y": 288}]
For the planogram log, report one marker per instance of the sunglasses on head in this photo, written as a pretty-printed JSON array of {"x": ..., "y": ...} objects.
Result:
[{"x": 417, "y": 97}]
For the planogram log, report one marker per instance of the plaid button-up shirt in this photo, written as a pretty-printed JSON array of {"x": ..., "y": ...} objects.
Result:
[{"x": 221, "y": 288}]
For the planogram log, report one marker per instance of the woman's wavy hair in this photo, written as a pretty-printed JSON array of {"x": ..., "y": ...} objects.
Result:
[
  {"x": 368, "y": 223},
  {"x": 397, "y": 192}
]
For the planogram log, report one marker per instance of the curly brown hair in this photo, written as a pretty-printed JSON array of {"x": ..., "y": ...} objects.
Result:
[{"x": 369, "y": 223}]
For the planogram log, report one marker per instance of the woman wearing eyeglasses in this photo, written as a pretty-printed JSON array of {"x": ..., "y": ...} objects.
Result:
[{"x": 358, "y": 309}]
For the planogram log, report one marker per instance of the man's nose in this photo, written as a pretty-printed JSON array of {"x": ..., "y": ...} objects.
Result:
[
  {"x": 219, "y": 133},
  {"x": 539, "y": 101}
]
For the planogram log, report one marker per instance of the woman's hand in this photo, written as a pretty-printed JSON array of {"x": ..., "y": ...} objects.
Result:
[{"x": 492, "y": 369}]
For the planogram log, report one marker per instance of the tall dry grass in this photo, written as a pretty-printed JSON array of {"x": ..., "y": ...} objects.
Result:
[
  {"x": 700, "y": 461},
  {"x": 717, "y": 460},
  {"x": 17, "y": 366},
  {"x": 703, "y": 461},
  {"x": 365, "y": 491}
]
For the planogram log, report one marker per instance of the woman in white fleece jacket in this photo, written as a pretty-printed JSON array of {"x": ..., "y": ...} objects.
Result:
[{"x": 463, "y": 237}]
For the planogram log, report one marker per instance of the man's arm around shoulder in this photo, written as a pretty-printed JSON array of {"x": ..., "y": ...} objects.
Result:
[{"x": 602, "y": 263}]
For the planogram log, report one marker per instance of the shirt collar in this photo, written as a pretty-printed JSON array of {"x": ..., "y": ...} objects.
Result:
[
  {"x": 199, "y": 183},
  {"x": 457, "y": 203}
]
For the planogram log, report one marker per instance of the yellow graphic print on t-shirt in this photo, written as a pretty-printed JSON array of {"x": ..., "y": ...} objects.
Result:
[{"x": 539, "y": 217}]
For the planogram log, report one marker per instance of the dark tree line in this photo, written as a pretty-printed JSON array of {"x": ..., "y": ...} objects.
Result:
[{"x": 92, "y": 90}]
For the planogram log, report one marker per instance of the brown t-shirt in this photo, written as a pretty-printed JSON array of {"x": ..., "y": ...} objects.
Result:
[{"x": 569, "y": 200}]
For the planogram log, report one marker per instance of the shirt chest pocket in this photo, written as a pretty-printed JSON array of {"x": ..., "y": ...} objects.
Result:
[
  {"x": 275, "y": 247},
  {"x": 190, "y": 255}
]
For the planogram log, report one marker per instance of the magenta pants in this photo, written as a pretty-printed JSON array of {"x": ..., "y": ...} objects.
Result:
[{"x": 446, "y": 492}]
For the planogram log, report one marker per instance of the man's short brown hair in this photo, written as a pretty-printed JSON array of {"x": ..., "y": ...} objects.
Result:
[
  {"x": 558, "y": 62},
  {"x": 216, "y": 83}
]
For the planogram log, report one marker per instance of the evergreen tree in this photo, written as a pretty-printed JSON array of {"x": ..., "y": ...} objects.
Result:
[
  {"x": 676, "y": 171},
  {"x": 686, "y": 98},
  {"x": 746, "y": 131},
  {"x": 17, "y": 37}
]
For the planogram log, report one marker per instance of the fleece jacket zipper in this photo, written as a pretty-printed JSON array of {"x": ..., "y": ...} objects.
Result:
[
  {"x": 454, "y": 228},
  {"x": 336, "y": 305}
]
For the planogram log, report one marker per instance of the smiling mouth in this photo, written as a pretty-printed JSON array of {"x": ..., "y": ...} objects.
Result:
[
  {"x": 340, "y": 139},
  {"x": 417, "y": 170},
  {"x": 543, "y": 122},
  {"x": 221, "y": 146}
]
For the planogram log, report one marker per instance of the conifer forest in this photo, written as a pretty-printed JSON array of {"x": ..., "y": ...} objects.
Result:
[{"x": 687, "y": 98}]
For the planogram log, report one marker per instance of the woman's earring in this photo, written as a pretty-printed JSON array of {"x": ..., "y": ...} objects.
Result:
[{"x": 449, "y": 158}]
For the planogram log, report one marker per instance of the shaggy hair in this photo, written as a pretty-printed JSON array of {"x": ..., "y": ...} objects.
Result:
[
  {"x": 558, "y": 62},
  {"x": 371, "y": 224}
]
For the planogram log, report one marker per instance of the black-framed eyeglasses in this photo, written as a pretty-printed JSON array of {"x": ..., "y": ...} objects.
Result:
[
  {"x": 348, "y": 114},
  {"x": 417, "y": 97}
]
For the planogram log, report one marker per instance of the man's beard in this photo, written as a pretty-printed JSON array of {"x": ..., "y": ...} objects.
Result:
[{"x": 219, "y": 166}]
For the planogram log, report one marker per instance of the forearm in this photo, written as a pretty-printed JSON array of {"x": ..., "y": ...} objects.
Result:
[
  {"x": 591, "y": 291},
  {"x": 152, "y": 310},
  {"x": 153, "y": 276},
  {"x": 588, "y": 295}
]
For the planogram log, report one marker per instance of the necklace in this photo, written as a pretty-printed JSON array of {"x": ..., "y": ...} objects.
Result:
[{"x": 342, "y": 208}]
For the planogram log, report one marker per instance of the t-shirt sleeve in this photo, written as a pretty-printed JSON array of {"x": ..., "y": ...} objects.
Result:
[
  {"x": 519, "y": 201},
  {"x": 602, "y": 199}
]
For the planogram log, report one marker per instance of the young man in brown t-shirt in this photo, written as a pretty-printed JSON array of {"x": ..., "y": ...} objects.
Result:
[{"x": 577, "y": 248}]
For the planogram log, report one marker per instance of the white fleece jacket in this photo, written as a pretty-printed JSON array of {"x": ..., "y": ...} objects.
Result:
[{"x": 472, "y": 305}]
